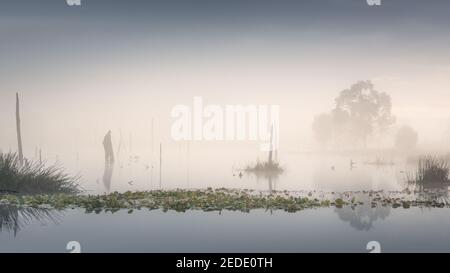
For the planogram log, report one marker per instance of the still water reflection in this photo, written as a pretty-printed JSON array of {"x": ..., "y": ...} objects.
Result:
[
  {"x": 203, "y": 168},
  {"x": 320, "y": 230},
  {"x": 107, "y": 176},
  {"x": 13, "y": 219},
  {"x": 317, "y": 230},
  {"x": 362, "y": 217}
]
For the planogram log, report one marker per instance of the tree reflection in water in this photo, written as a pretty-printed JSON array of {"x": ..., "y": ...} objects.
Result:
[
  {"x": 270, "y": 177},
  {"x": 362, "y": 217},
  {"x": 13, "y": 219},
  {"x": 107, "y": 176}
]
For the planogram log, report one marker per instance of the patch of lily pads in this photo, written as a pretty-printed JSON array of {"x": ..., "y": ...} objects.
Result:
[{"x": 221, "y": 199}]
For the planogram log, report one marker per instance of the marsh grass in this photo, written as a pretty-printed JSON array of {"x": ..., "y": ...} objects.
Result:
[
  {"x": 264, "y": 167},
  {"x": 34, "y": 177},
  {"x": 430, "y": 171}
]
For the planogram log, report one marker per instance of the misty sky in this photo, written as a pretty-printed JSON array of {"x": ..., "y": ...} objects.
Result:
[{"x": 116, "y": 64}]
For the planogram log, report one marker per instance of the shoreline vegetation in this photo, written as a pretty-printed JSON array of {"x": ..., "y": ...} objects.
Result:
[
  {"x": 264, "y": 168},
  {"x": 28, "y": 184},
  {"x": 224, "y": 199},
  {"x": 22, "y": 176},
  {"x": 430, "y": 172}
]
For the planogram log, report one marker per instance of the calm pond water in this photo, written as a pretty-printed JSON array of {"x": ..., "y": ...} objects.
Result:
[
  {"x": 319, "y": 230},
  {"x": 195, "y": 167},
  {"x": 315, "y": 230}
]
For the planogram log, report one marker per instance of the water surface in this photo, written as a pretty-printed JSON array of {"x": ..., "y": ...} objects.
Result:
[{"x": 317, "y": 230}]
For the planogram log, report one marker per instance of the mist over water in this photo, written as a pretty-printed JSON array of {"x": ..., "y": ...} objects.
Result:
[
  {"x": 81, "y": 72},
  {"x": 363, "y": 95}
]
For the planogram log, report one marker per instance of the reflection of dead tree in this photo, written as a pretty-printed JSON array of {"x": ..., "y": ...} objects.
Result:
[
  {"x": 19, "y": 135},
  {"x": 109, "y": 161},
  {"x": 109, "y": 152},
  {"x": 107, "y": 176},
  {"x": 271, "y": 177}
]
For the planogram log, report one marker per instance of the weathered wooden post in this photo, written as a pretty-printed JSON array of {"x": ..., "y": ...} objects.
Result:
[{"x": 19, "y": 135}]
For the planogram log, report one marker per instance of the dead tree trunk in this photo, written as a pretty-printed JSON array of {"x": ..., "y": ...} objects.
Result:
[
  {"x": 160, "y": 165},
  {"x": 109, "y": 151},
  {"x": 271, "y": 147},
  {"x": 19, "y": 135}
]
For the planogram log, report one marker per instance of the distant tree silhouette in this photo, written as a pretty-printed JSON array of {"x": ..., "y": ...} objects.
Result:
[{"x": 360, "y": 112}]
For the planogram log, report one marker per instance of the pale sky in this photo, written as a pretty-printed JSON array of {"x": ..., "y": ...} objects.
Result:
[{"x": 118, "y": 64}]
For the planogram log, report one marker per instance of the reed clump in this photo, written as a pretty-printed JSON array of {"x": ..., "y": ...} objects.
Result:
[
  {"x": 30, "y": 177},
  {"x": 430, "y": 170}
]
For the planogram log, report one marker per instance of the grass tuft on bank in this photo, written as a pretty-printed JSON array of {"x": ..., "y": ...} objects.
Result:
[
  {"x": 431, "y": 171},
  {"x": 32, "y": 177}
]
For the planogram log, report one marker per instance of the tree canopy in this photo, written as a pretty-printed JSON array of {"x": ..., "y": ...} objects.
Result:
[{"x": 360, "y": 112}]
